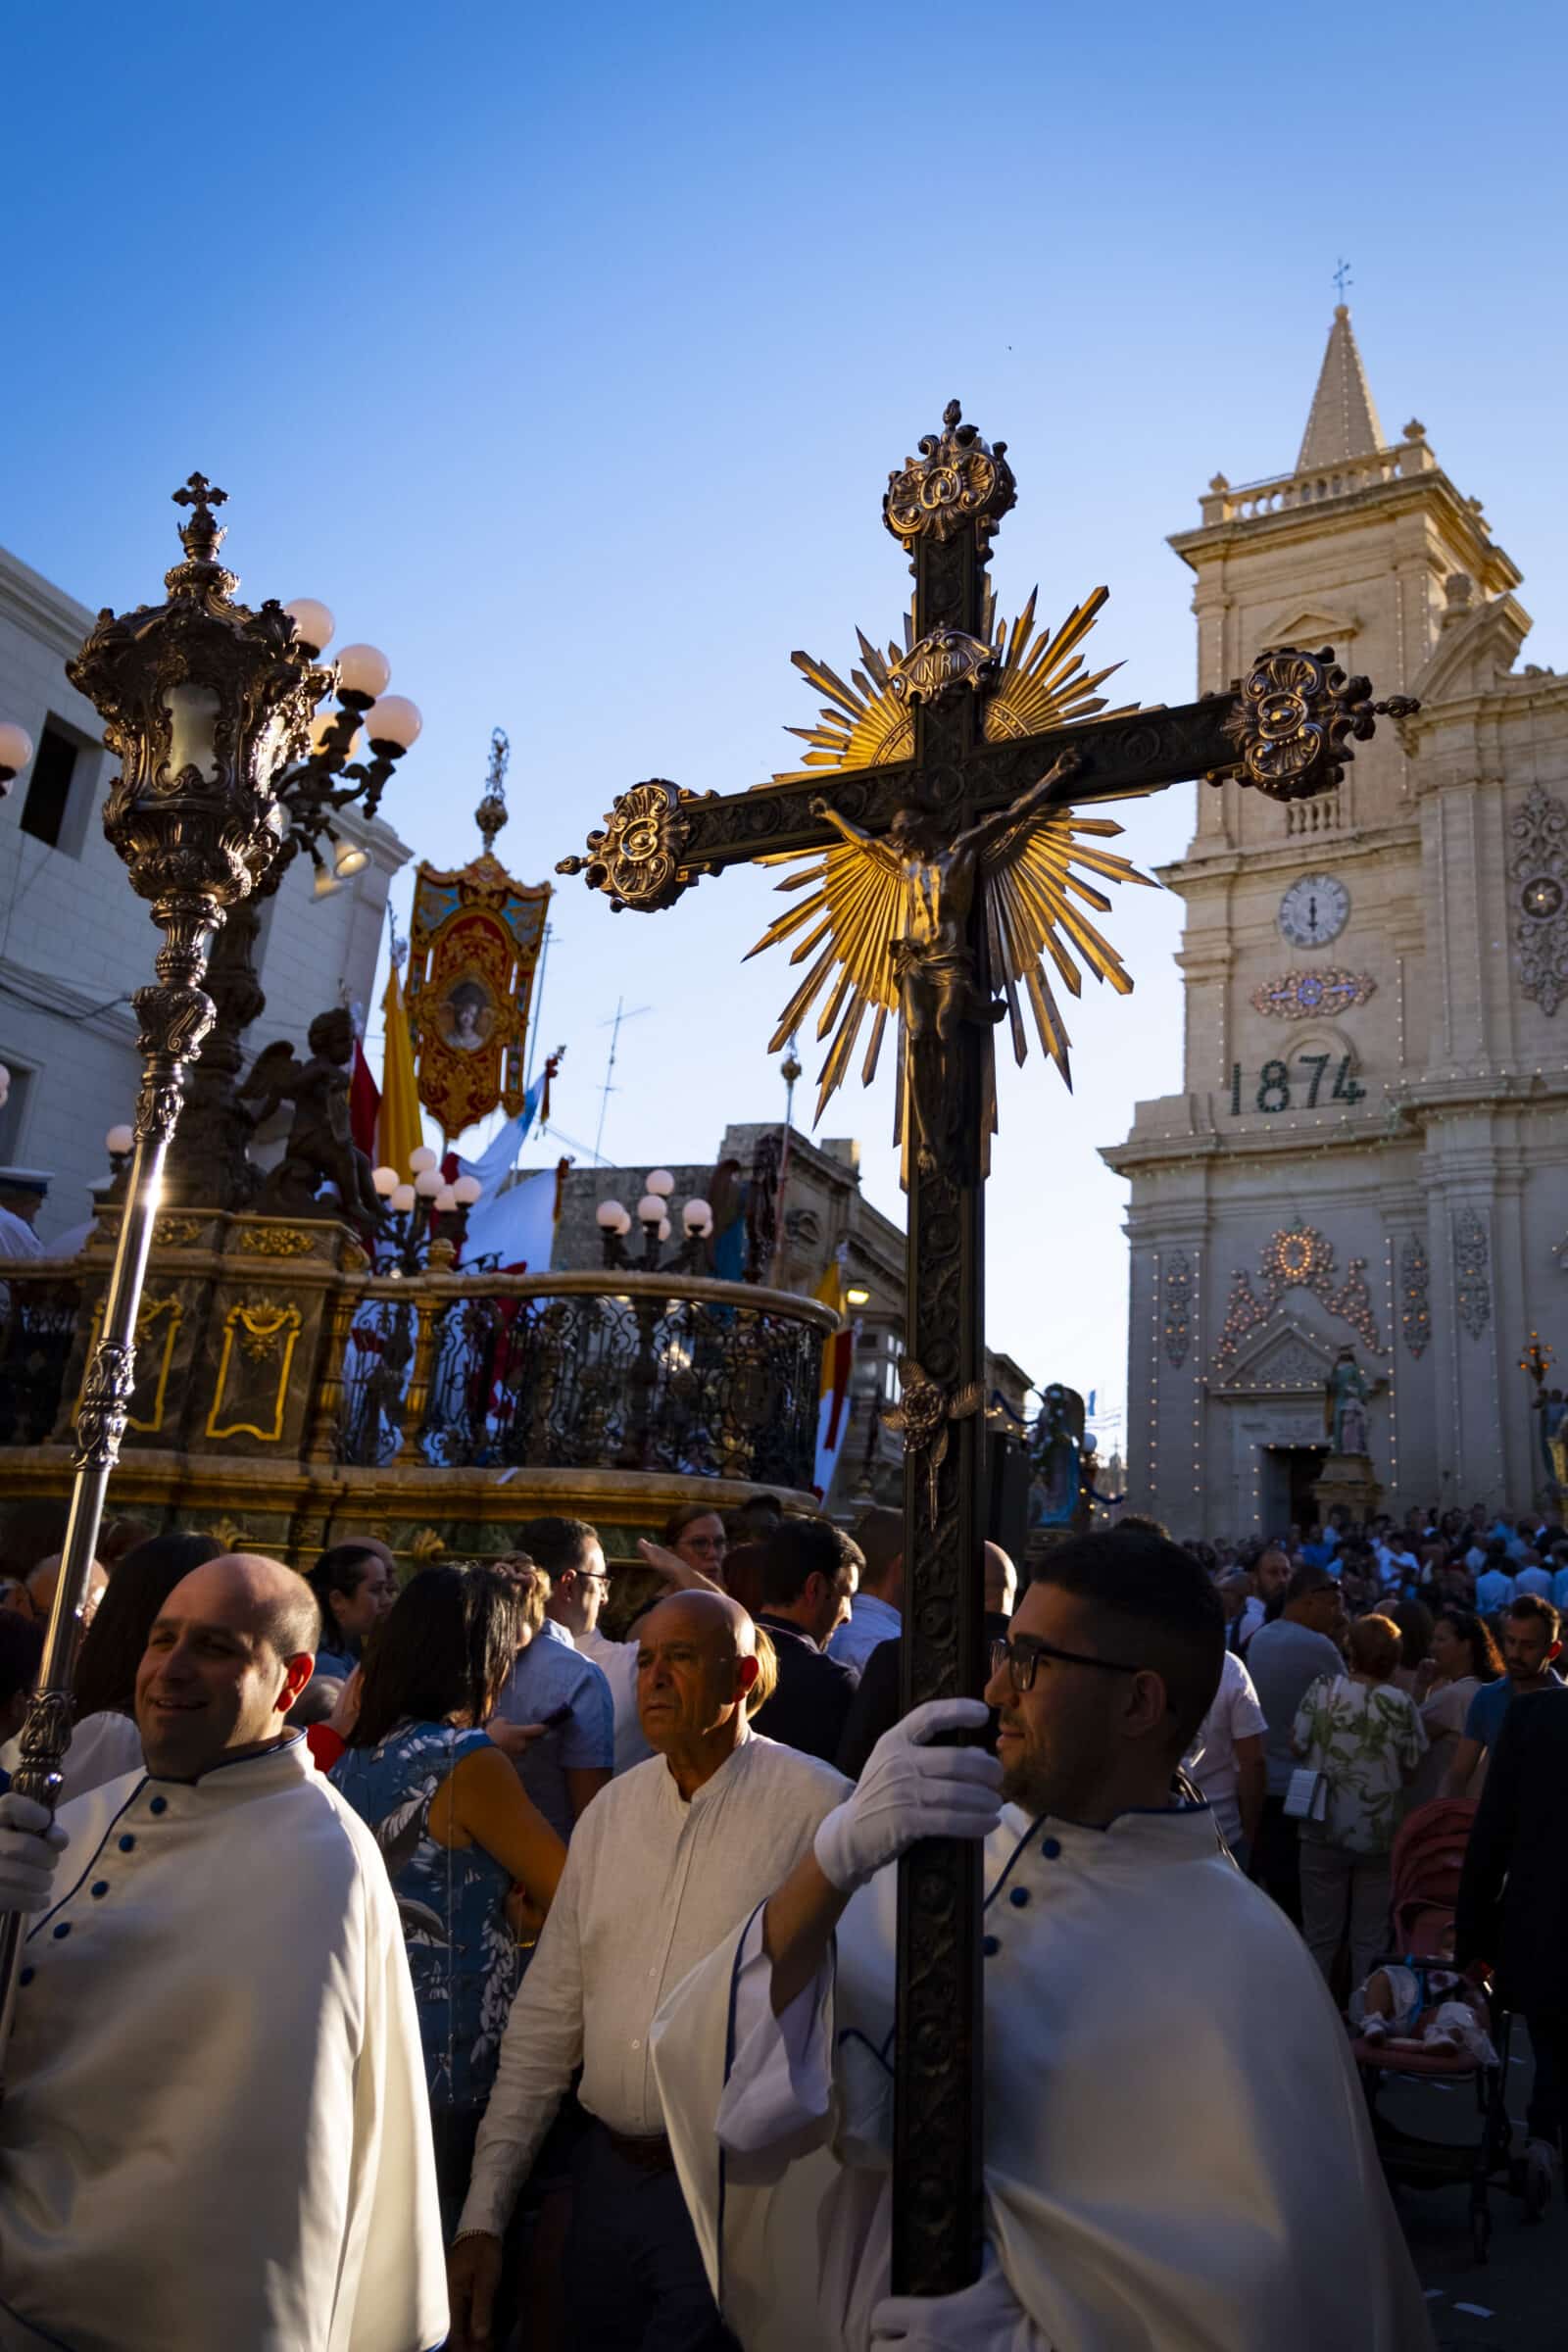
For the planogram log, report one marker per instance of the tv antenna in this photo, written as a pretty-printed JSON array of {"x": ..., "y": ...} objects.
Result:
[{"x": 609, "y": 1088}]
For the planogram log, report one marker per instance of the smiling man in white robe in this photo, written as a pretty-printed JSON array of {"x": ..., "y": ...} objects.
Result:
[
  {"x": 215, "y": 2129},
  {"x": 1177, "y": 2156}
]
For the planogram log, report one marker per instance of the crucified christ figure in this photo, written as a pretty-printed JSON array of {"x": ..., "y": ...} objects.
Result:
[{"x": 931, "y": 954}]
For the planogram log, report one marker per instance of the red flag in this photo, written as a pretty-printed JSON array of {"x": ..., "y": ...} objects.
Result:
[{"x": 365, "y": 1102}]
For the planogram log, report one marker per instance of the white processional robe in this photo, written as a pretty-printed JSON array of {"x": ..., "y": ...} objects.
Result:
[
  {"x": 214, "y": 2131},
  {"x": 1177, "y": 2156}
]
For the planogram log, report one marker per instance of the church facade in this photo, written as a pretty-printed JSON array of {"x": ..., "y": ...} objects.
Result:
[{"x": 1370, "y": 1144}]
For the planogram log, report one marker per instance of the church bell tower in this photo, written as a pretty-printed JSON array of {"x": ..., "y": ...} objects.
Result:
[{"x": 1370, "y": 1143}]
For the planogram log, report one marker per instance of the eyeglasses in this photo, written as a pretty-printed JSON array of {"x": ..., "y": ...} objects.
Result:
[{"x": 1023, "y": 1653}]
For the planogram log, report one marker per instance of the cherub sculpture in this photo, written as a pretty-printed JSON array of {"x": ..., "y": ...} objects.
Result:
[
  {"x": 321, "y": 1148},
  {"x": 901, "y": 912}
]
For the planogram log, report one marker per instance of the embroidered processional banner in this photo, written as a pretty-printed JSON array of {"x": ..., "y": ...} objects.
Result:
[{"x": 474, "y": 949}]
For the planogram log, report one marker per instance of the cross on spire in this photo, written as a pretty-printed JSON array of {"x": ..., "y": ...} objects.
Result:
[
  {"x": 1343, "y": 422},
  {"x": 1341, "y": 277}
]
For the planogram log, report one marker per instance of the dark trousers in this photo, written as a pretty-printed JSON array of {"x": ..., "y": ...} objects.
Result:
[
  {"x": 1548, "y": 2041},
  {"x": 1276, "y": 1858},
  {"x": 634, "y": 2279}
]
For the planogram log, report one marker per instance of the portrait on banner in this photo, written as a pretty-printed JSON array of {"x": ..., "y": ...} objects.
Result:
[
  {"x": 467, "y": 1016},
  {"x": 475, "y": 941}
]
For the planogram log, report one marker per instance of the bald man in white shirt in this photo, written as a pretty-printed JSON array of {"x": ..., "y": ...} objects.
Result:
[{"x": 664, "y": 1863}]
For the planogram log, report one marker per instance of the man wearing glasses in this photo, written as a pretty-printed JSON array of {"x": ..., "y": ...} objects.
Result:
[{"x": 1173, "y": 2128}]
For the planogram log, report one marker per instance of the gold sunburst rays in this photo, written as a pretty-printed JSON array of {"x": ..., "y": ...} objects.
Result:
[
  {"x": 1038, "y": 683},
  {"x": 1039, "y": 876},
  {"x": 1036, "y": 887}
]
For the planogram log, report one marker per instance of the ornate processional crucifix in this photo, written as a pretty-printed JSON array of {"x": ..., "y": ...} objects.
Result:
[{"x": 944, "y": 862}]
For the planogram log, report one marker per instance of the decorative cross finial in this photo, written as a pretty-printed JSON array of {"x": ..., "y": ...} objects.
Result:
[
  {"x": 491, "y": 813},
  {"x": 199, "y": 492},
  {"x": 203, "y": 535},
  {"x": 1341, "y": 277},
  {"x": 500, "y": 754}
]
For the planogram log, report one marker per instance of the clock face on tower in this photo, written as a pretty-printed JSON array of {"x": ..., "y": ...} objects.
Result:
[{"x": 1314, "y": 910}]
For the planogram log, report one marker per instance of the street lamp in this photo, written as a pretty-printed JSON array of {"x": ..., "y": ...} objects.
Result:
[
  {"x": 16, "y": 749},
  {"x": 204, "y": 702},
  {"x": 614, "y": 1222},
  {"x": 212, "y": 1166},
  {"x": 421, "y": 1213}
]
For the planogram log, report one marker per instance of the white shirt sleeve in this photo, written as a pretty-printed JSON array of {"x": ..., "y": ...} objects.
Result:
[
  {"x": 540, "y": 2050},
  {"x": 1247, "y": 1715},
  {"x": 781, "y": 2075}
]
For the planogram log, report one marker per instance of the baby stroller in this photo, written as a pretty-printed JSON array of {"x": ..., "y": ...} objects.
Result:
[{"x": 1427, "y": 1859}]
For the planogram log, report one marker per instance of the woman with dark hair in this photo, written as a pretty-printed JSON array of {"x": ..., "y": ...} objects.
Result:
[
  {"x": 1414, "y": 1621},
  {"x": 1463, "y": 1655},
  {"x": 354, "y": 1584},
  {"x": 459, "y": 1838},
  {"x": 695, "y": 1534},
  {"x": 106, "y": 1741}
]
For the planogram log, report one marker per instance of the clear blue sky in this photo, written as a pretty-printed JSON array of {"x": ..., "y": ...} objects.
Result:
[{"x": 565, "y": 355}]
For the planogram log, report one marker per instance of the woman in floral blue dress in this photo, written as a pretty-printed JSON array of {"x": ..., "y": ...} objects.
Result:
[{"x": 473, "y": 1863}]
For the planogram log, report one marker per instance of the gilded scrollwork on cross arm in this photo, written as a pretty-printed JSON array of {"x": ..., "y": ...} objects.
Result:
[
  {"x": 635, "y": 857},
  {"x": 1299, "y": 716}
]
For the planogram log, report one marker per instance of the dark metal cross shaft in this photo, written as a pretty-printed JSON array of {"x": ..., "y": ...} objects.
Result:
[{"x": 1286, "y": 729}]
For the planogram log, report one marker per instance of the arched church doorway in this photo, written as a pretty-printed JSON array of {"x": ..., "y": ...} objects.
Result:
[{"x": 1290, "y": 1473}]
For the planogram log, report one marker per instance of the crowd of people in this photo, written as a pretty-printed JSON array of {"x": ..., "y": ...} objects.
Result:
[
  {"x": 462, "y": 1952},
  {"x": 1370, "y": 1671}
]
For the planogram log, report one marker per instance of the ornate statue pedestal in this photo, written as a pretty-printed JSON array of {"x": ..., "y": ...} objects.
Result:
[{"x": 1346, "y": 1482}]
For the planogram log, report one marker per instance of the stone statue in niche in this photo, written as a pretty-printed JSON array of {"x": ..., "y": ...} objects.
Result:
[
  {"x": 1344, "y": 1403},
  {"x": 321, "y": 1148}
]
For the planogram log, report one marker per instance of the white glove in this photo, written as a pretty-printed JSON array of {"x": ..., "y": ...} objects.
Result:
[
  {"x": 30, "y": 1844},
  {"x": 983, "y": 2317},
  {"x": 909, "y": 1792}
]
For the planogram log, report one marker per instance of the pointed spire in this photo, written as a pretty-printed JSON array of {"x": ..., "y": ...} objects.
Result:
[{"x": 1343, "y": 422}]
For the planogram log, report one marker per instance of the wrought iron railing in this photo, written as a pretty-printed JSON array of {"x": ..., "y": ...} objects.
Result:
[
  {"x": 660, "y": 1373},
  {"x": 37, "y": 1327},
  {"x": 654, "y": 1372}
]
